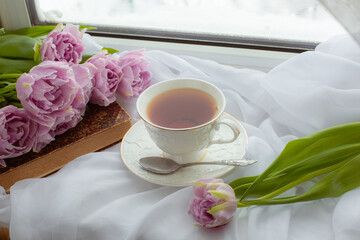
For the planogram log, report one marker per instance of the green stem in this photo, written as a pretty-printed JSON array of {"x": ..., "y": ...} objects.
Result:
[
  {"x": 301, "y": 180},
  {"x": 10, "y": 75},
  {"x": 240, "y": 204},
  {"x": 16, "y": 104},
  {"x": 13, "y": 98}
]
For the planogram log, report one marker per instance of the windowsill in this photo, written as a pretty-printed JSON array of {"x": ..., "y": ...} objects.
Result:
[{"x": 240, "y": 58}]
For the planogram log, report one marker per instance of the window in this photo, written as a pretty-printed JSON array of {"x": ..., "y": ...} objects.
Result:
[
  {"x": 287, "y": 25},
  {"x": 258, "y": 34}
]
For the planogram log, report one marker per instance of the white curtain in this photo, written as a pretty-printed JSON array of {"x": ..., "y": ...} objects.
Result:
[{"x": 97, "y": 197}]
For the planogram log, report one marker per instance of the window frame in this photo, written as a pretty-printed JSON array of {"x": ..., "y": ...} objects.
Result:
[{"x": 189, "y": 38}]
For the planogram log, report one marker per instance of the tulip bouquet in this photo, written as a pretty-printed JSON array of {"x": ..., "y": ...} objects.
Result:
[
  {"x": 46, "y": 83},
  {"x": 328, "y": 159}
]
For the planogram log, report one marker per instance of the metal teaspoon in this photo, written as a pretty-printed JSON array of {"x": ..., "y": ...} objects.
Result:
[{"x": 161, "y": 165}]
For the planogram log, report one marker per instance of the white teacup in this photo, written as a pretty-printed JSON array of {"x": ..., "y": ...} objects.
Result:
[{"x": 186, "y": 144}]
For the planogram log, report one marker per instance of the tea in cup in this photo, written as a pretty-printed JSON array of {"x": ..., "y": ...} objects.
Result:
[{"x": 182, "y": 117}]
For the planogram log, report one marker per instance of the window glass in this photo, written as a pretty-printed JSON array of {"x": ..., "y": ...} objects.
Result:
[{"x": 284, "y": 20}]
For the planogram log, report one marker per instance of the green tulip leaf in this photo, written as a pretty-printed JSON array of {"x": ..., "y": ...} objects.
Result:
[
  {"x": 37, "y": 56},
  {"x": 39, "y": 31},
  {"x": 334, "y": 184},
  {"x": 15, "y": 65},
  {"x": 85, "y": 58},
  {"x": 17, "y": 47},
  {"x": 330, "y": 155},
  {"x": 310, "y": 153},
  {"x": 110, "y": 50},
  {"x": 35, "y": 31}
]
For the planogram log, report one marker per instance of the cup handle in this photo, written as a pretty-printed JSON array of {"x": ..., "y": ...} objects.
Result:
[{"x": 232, "y": 126}]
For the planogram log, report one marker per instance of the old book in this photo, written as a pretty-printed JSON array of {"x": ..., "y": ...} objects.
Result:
[{"x": 100, "y": 127}]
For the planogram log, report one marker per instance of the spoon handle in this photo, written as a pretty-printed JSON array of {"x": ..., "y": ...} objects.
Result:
[{"x": 233, "y": 162}]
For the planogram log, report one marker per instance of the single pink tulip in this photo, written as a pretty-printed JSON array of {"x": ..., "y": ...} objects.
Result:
[
  {"x": 51, "y": 97},
  {"x": 17, "y": 132},
  {"x": 63, "y": 44},
  {"x": 214, "y": 204},
  {"x": 106, "y": 78},
  {"x": 136, "y": 75}
]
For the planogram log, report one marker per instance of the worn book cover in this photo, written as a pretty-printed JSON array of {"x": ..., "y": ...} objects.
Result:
[{"x": 100, "y": 127}]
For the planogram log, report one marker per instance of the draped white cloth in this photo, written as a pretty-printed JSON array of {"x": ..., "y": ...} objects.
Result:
[{"x": 97, "y": 197}]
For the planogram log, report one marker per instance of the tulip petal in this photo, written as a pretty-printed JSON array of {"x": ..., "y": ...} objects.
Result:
[{"x": 223, "y": 213}]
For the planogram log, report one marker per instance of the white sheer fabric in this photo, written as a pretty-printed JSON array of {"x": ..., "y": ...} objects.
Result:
[{"x": 96, "y": 197}]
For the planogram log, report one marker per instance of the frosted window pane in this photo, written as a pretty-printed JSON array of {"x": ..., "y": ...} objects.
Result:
[{"x": 300, "y": 20}]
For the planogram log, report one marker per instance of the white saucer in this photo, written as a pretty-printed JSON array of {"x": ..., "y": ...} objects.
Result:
[{"x": 137, "y": 144}]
